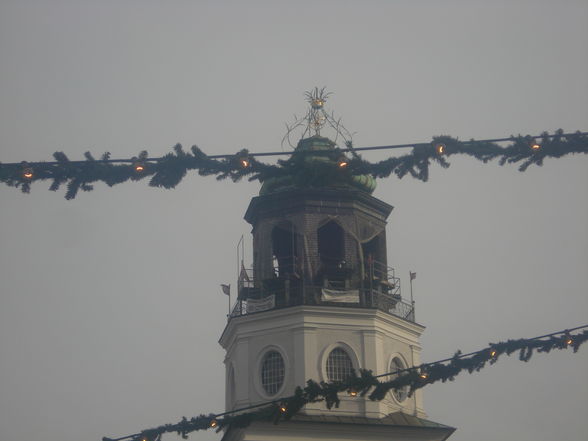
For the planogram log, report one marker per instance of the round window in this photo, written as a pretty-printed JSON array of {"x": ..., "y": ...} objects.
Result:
[
  {"x": 339, "y": 365},
  {"x": 272, "y": 372},
  {"x": 396, "y": 365}
]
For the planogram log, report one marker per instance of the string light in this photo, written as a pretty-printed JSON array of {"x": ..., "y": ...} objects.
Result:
[
  {"x": 198, "y": 423},
  {"x": 27, "y": 173},
  {"x": 213, "y": 423},
  {"x": 533, "y": 145},
  {"x": 169, "y": 173},
  {"x": 352, "y": 392}
]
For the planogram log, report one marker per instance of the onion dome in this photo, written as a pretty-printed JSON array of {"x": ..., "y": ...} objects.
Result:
[{"x": 317, "y": 163}]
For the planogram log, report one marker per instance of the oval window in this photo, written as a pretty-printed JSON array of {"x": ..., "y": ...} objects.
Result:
[
  {"x": 339, "y": 365},
  {"x": 272, "y": 372},
  {"x": 397, "y": 365}
]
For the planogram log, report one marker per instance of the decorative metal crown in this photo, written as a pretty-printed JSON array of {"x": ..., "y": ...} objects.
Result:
[{"x": 316, "y": 119}]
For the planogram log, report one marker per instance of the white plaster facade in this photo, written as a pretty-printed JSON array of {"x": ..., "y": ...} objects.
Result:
[{"x": 304, "y": 336}]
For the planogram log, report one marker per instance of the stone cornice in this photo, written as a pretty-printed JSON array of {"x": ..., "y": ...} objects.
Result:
[
  {"x": 288, "y": 201},
  {"x": 323, "y": 317}
]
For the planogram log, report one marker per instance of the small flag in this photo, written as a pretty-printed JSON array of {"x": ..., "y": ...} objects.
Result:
[
  {"x": 226, "y": 289},
  {"x": 412, "y": 275}
]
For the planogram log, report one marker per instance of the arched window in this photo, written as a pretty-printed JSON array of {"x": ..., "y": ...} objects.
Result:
[
  {"x": 331, "y": 245},
  {"x": 284, "y": 249},
  {"x": 375, "y": 249},
  {"x": 339, "y": 365},
  {"x": 272, "y": 372},
  {"x": 396, "y": 365}
]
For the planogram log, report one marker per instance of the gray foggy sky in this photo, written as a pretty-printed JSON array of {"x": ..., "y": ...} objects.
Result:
[{"x": 110, "y": 306}]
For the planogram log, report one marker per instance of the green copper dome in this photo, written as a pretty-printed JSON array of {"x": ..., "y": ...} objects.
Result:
[{"x": 316, "y": 163}]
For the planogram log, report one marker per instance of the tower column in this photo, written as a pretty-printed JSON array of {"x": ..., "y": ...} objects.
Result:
[
  {"x": 305, "y": 348},
  {"x": 373, "y": 350}
]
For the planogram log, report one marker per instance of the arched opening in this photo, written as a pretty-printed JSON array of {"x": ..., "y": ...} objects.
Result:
[
  {"x": 333, "y": 271},
  {"x": 372, "y": 250},
  {"x": 374, "y": 257},
  {"x": 331, "y": 245},
  {"x": 284, "y": 246}
]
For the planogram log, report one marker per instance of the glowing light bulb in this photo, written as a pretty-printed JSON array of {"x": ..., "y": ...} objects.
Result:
[
  {"x": 317, "y": 103},
  {"x": 440, "y": 148},
  {"x": 283, "y": 408},
  {"x": 493, "y": 353},
  {"x": 535, "y": 146},
  {"x": 213, "y": 423},
  {"x": 139, "y": 168},
  {"x": 569, "y": 341},
  {"x": 343, "y": 163},
  {"x": 27, "y": 173},
  {"x": 352, "y": 392},
  {"x": 244, "y": 163}
]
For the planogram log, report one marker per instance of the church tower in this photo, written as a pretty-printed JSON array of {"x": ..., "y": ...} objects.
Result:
[{"x": 319, "y": 302}]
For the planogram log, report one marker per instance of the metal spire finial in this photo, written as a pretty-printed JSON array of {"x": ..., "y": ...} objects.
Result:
[{"x": 316, "y": 119}]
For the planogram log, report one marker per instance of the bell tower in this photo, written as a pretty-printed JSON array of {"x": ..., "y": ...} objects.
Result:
[{"x": 319, "y": 302}]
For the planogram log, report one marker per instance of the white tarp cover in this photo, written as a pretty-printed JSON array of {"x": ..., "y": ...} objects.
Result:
[
  {"x": 255, "y": 305},
  {"x": 346, "y": 296}
]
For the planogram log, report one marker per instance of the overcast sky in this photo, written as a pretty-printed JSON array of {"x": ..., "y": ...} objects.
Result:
[{"x": 110, "y": 306}]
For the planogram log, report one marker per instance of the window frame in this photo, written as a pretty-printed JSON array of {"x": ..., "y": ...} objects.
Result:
[
  {"x": 351, "y": 353},
  {"x": 391, "y": 368},
  {"x": 258, "y": 378}
]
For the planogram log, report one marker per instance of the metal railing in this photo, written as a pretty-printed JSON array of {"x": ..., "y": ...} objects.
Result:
[
  {"x": 288, "y": 296},
  {"x": 382, "y": 277},
  {"x": 377, "y": 287}
]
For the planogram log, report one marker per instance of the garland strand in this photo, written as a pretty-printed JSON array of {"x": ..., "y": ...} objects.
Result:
[
  {"x": 366, "y": 383},
  {"x": 169, "y": 170}
]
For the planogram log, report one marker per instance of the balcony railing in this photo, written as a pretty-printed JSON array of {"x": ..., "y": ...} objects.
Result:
[
  {"x": 284, "y": 297},
  {"x": 335, "y": 284}
]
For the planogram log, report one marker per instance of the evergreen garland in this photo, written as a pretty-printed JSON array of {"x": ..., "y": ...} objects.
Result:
[
  {"x": 366, "y": 383},
  {"x": 169, "y": 170}
]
